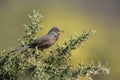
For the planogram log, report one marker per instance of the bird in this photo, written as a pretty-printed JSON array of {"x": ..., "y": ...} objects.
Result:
[{"x": 43, "y": 42}]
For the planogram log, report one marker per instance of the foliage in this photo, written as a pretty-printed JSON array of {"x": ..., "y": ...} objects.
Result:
[{"x": 29, "y": 66}]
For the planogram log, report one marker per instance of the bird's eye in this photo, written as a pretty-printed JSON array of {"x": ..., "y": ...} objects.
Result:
[{"x": 56, "y": 31}]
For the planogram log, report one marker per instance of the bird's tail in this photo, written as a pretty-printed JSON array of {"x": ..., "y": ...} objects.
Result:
[{"x": 21, "y": 49}]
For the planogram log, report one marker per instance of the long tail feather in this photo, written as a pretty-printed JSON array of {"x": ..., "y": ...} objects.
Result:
[{"x": 20, "y": 49}]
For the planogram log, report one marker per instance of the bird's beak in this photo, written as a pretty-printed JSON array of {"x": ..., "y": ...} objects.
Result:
[{"x": 61, "y": 31}]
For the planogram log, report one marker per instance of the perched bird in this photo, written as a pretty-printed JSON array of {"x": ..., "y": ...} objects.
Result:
[{"x": 44, "y": 42}]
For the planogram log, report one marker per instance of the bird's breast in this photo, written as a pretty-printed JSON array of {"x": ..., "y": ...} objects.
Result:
[{"x": 52, "y": 40}]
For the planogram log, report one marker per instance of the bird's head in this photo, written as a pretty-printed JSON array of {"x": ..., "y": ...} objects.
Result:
[{"x": 55, "y": 31}]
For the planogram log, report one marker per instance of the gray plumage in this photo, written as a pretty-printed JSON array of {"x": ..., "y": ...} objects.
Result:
[{"x": 44, "y": 42}]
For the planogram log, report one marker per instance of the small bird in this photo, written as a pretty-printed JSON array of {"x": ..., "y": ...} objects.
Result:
[{"x": 44, "y": 42}]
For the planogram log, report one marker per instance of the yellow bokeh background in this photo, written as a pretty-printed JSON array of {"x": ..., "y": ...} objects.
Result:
[{"x": 72, "y": 16}]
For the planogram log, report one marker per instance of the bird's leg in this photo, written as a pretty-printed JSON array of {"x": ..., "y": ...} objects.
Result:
[{"x": 36, "y": 48}]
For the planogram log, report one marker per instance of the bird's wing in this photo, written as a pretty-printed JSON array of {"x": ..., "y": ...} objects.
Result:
[{"x": 40, "y": 41}]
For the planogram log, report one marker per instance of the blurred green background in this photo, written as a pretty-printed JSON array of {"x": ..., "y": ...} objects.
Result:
[{"x": 72, "y": 16}]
